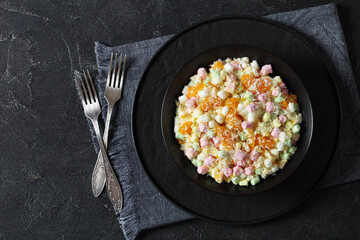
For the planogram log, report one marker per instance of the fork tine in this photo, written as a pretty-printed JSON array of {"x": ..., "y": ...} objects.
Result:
[
  {"x": 92, "y": 86},
  {"x": 109, "y": 73},
  {"x": 122, "y": 74},
  {"x": 87, "y": 100},
  {"x": 92, "y": 99},
  {"x": 114, "y": 72},
  {"x": 80, "y": 90},
  {"x": 118, "y": 73}
]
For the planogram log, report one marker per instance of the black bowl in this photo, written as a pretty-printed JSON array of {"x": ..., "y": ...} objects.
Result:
[{"x": 294, "y": 84}]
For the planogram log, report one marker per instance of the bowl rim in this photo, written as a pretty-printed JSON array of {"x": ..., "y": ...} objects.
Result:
[{"x": 249, "y": 187}]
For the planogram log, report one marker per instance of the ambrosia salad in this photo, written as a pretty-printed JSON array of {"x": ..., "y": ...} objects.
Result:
[{"x": 236, "y": 123}]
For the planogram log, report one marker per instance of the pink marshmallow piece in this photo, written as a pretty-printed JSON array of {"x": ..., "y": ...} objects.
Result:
[
  {"x": 236, "y": 65},
  {"x": 216, "y": 141},
  {"x": 202, "y": 73},
  {"x": 285, "y": 91},
  {"x": 246, "y": 125},
  {"x": 282, "y": 85},
  {"x": 209, "y": 161},
  {"x": 204, "y": 141},
  {"x": 269, "y": 106},
  {"x": 275, "y": 92},
  {"x": 231, "y": 78},
  {"x": 251, "y": 107},
  {"x": 191, "y": 104},
  {"x": 191, "y": 153},
  {"x": 230, "y": 87},
  {"x": 262, "y": 97},
  {"x": 275, "y": 132},
  {"x": 240, "y": 155},
  {"x": 282, "y": 119},
  {"x": 228, "y": 172},
  {"x": 241, "y": 163},
  {"x": 249, "y": 170},
  {"x": 238, "y": 170},
  {"x": 203, "y": 127},
  {"x": 266, "y": 69},
  {"x": 254, "y": 155},
  {"x": 202, "y": 170}
]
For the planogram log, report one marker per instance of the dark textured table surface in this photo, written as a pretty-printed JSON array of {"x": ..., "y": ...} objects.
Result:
[{"x": 46, "y": 151}]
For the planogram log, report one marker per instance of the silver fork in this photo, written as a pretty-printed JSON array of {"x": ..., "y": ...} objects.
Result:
[
  {"x": 112, "y": 94},
  {"x": 92, "y": 110}
]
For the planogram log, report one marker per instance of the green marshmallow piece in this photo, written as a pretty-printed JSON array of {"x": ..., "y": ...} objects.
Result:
[
  {"x": 207, "y": 80},
  {"x": 243, "y": 136},
  {"x": 288, "y": 143},
  {"x": 179, "y": 136},
  {"x": 199, "y": 163},
  {"x": 222, "y": 154},
  {"x": 285, "y": 156},
  {"x": 255, "y": 181},
  {"x": 196, "y": 146},
  {"x": 211, "y": 133},
  {"x": 258, "y": 171},
  {"x": 279, "y": 99},
  {"x": 292, "y": 150},
  {"x": 248, "y": 95},
  {"x": 235, "y": 180},
  {"x": 296, "y": 128}
]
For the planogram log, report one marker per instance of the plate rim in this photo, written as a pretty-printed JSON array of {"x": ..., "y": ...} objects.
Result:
[{"x": 317, "y": 55}]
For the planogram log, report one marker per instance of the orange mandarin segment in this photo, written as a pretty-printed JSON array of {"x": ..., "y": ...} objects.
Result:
[
  {"x": 209, "y": 103},
  {"x": 251, "y": 141},
  {"x": 247, "y": 80},
  {"x": 224, "y": 135},
  {"x": 232, "y": 102},
  {"x": 263, "y": 85},
  {"x": 194, "y": 90},
  {"x": 185, "y": 128},
  {"x": 234, "y": 120},
  {"x": 218, "y": 65},
  {"x": 265, "y": 142}
]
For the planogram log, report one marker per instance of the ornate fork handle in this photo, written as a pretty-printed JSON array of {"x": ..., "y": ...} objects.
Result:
[
  {"x": 98, "y": 176},
  {"x": 113, "y": 187}
]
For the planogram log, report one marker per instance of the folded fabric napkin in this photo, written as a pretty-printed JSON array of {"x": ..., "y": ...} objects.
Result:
[{"x": 144, "y": 206}]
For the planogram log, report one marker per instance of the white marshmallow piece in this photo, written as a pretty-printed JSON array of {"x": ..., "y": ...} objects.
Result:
[
  {"x": 222, "y": 94},
  {"x": 251, "y": 117},
  {"x": 280, "y": 146},
  {"x": 255, "y": 65},
  {"x": 228, "y": 68},
  {"x": 268, "y": 163},
  {"x": 220, "y": 119},
  {"x": 212, "y": 124},
  {"x": 225, "y": 110},
  {"x": 203, "y": 93},
  {"x": 204, "y": 118},
  {"x": 282, "y": 137},
  {"x": 291, "y": 107},
  {"x": 183, "y": 99}
]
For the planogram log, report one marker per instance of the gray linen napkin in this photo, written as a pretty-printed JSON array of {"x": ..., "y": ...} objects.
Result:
[{"x": 144, "y": 206}]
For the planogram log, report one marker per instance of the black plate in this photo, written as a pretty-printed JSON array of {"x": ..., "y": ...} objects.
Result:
[
  {"x": 316, "y": 91},
  {"x": 280, "y": 68}
]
